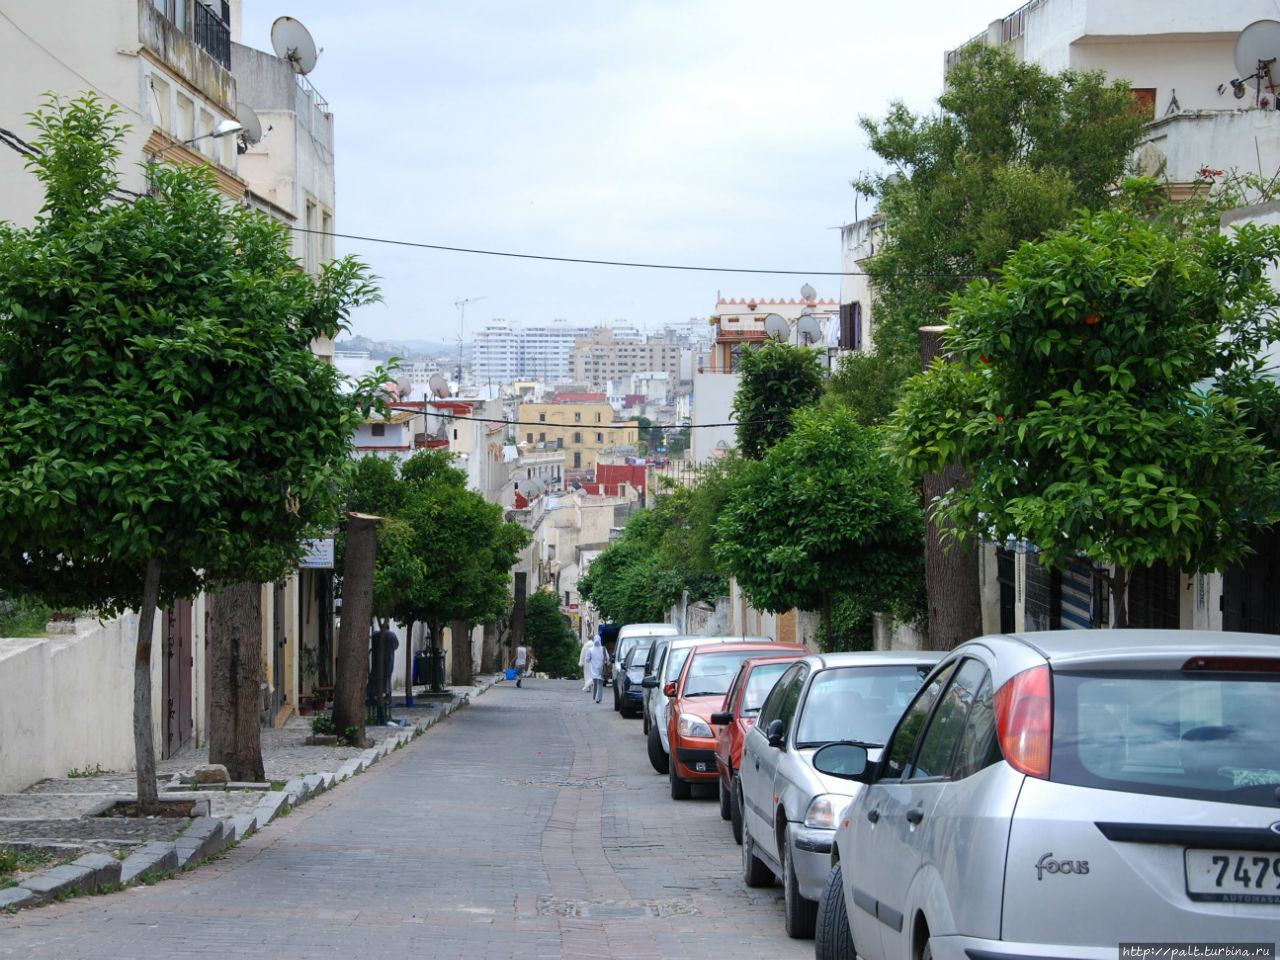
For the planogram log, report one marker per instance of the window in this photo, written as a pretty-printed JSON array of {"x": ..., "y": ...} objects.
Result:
[
  {"x": 577, "y": 436},
  {"x": 529, "y": 437},
  {"x": 599, "y": 438},
  {"x": 379, "y": 429},
  {"x": 577, "y": 461},
  {"x": 577, "y": 418},
  {"x": 542, "y": 418},
  {"x": 856, "y": 703},
  {"x": 184, "y": 127},
  {"x": 597, "y": 418},
  {"x": 903, "y": 745},
  {"x": 948, "y": 723},
  {"x": 781, "y": 703},
  {"x": 542, "y": 436}
]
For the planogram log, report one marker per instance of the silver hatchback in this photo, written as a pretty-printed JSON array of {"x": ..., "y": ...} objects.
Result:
[{"x": 1060, "y": 794}]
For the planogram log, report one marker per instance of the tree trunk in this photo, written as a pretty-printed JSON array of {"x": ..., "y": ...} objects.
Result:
[
  {"x": 1119, "y": 584},
  {"x": 352, "y": 680},
  {"x": 144, "y": 743},
  {"x": 235, "y": 669},
  {"x": 489, "y": 662},
  {"x": 950, "y": 569},
  {"x": 462, "y": 673},
  {"x": 436, "y": 629}
]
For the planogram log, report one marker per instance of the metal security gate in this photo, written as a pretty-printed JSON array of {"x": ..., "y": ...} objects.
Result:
[
  {"x": 1006, "y": 581},
  {"x": 176, "y": 684},
  {"x": 1044, "y": 596},
  {"x": 279, "y": 638},
  {"x": 1153, "y": 597},
  {"x": 1249, "y": 590},
  {"x": 1083, "y": 602}
]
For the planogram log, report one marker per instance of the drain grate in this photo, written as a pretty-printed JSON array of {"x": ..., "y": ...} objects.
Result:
[
  {"x": 614, "y": 909},
  {"x": 597, "y": 784}
]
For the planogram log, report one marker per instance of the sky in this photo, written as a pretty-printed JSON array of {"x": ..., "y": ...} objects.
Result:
[{"x": 708, "y": 133}]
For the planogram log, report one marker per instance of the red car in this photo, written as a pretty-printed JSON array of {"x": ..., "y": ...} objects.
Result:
[
  {"x": 695, "y": 695},
  {"x": 752, "y": 684}
]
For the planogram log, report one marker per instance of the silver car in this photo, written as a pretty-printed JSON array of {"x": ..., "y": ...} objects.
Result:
[
  {"x": 789, "y": 809},
  {"x": 1058, "y": 794}
]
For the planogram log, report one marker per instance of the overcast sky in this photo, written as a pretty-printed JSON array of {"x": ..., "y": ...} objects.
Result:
[{"x": 717, "y": 133}]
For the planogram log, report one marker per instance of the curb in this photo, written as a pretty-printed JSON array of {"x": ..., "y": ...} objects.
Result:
[{"x": 207, "y": 836}]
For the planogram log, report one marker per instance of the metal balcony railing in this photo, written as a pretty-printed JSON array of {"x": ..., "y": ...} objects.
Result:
[{"x": 212, "y": 31}]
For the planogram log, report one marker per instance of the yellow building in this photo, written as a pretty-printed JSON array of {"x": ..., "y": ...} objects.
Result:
[{"x": 580, "y": 424}]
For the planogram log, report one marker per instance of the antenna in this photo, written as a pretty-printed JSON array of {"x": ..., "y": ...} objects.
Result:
[
  {"x": 776, "y": 327},
  {"x": 462, "y": 317},
  {"x": 252, "y": 131},
  {"x": 1256, "y": 52},
  {"x": 291, "y": 41}
]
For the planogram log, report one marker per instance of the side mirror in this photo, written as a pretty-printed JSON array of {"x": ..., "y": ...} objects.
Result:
[
  {"x": 649, "y": 682},
  {"x": 722, "y": 718},
  {"x": 670, "y": 688},
  {"x": 845, "y": 760},
  {"x": 775, "y": 734}
]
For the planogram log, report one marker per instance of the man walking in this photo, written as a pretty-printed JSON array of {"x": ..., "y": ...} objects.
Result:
[{"x": 595, "y": 665}]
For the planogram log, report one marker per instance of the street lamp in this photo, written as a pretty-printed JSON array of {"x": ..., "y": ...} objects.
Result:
[{"x": 223, "y": 129}]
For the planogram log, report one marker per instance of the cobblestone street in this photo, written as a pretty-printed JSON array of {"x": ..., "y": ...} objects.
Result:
[{"x": 528, "y": 824}]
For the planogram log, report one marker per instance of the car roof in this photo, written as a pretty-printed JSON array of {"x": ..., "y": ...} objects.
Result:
[
  {"x": 647, "y": 630},
  {"x": 681, "y": 642},
  {"x": 874, "y": 658},
  {"x": 1115, "y": 647}
]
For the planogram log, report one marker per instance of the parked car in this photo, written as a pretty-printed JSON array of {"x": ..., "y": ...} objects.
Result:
[
  {"x": 657, "y": 702},
  {"x": 1057, "y": 793},
  {"x": 628, "y": 637},
  {"x": 697, "y": 693},
  {"x": 630, "y": 675},
  {"x": 754, "y": 680},
  {"x": 789, "y": 809}
]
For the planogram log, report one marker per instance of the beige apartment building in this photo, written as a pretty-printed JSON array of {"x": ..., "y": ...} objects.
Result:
[
  {"x": 599, "y": 358},
  {"x": 582, "y": 425}
]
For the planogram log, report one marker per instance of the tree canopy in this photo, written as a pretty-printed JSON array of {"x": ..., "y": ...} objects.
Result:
[
  {"x": 1098, "y": 404},
  {"x": 1013, "y": 152},
  {"x": 549, "y": 634},
  {"x": 825, "y": 516},
  {"x": 777, "y": 379}
]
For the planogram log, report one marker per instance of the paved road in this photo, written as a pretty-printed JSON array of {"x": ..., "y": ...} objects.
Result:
[{"x": 529, "y": 824}]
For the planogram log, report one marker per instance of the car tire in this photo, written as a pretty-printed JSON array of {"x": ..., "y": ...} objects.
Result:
[
  {"x": 625, "y": 710},
  {"x": 801, "y": 914},
  {"x": 735, "y": 808},
  {"x": 755, "y": 872},
  {"x": 680, "y": 790},
  {"x": 725, "y": 812},
  {"x": 617, "y": 700},
  {"x": 645, "y": 729},
  {"x": 657, "y": 756},
  {"x": 831, "y": 937}
]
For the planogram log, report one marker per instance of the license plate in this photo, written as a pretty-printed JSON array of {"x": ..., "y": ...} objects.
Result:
[{"x": 1237, "y": 876}]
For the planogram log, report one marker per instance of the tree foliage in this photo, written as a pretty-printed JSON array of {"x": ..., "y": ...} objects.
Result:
[
  {"x": 825, "y": 515},
  {"x": 550, "y": 636},
  {"x": 1013, "y": 153},
  {"x": 1098, "y": 404},
  {"x": 777, "y": 380}
]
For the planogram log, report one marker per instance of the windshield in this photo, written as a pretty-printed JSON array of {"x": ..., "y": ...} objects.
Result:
[
  {"x": 1205, "y": 736},
  {"x": 761, "y": 681},
  {"x": 636, "y": 656},
  {"x": 712, "y": 673},
  {"x": 857, "y": 703}
]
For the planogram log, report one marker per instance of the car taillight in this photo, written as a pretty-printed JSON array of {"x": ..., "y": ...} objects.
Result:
[{"x": 1024, "y": 720}]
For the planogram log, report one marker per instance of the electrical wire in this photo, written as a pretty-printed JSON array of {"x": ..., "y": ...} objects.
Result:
[{"x": 586, "y": 427}]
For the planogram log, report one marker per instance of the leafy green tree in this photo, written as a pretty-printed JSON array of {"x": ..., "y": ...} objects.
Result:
[
  {"x": 868, "y": 384},
  {"x": 164, "y": 425},
  {"x": 777, "y": 380},
  {"x": 826, "y": 516},
  {"x": 1013, "y": 153},
  {"x": 549, "y": 634},
  {"x": 1099, "y": 406}
]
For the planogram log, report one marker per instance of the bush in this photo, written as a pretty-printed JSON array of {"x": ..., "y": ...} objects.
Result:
[{"x": 22, "y": 616}]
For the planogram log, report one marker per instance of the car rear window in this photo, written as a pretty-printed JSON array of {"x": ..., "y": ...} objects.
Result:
[
  {"x": 712, "y": 673},
  {"x": 759, "y": 683},
  {"x": 1196, "y": 735},
  {"x": 857, "y": 703}
]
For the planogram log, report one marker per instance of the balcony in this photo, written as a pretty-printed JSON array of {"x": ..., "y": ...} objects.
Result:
[
  {"x": 193, "y": 40},
  {"x": 213, "y": 31}
]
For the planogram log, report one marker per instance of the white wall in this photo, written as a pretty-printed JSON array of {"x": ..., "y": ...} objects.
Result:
[
  {"x": 713, "y": 395},
  {"x": 68, "y": 701}
]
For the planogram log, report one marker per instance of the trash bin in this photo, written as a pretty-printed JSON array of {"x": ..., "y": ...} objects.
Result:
[{"x": 422, "y": 668}]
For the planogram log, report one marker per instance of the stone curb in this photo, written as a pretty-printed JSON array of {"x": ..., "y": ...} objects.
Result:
[{"x": 207, "y": 836}]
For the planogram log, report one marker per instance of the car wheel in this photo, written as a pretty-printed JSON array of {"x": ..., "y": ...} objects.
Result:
[
  {"x": 735, "y": 808},
  {"x": 625, "y": 710},
  {"x": 801, "y": 913},
  {"x": 755, "y": 872},
  {"x": 617, "y": 700},
  {"x": 725, "y": 812},
  {"x": 645, "y": 730},
  {"x": 657, "y": 756},
  {"x": 831, "y": 937},
  {"x": 679, "y": 789}
]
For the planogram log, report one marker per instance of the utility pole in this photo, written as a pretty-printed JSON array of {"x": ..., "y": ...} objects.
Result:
[{"x": 462, "y": 317}]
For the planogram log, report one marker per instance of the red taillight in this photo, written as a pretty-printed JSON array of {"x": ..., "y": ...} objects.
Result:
[{"x": 1024, "y": 719}]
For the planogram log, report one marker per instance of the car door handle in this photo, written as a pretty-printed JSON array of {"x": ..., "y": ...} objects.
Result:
[
  {"x": 873, "y": 816},
  {"x": 915, "y": 816}
]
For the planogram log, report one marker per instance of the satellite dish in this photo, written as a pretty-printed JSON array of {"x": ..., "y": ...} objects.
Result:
[
  {"x": 808, "y": 293},
  {"x": 776, "y": 327},
  {"x": 807, "y": 331},
  {"x": 292, "y": 42},
  {"x": 1257, "y": 49},
  {"x": 404, "y": 387},
  {"x": 439, "y": 386},
  {"x": 252, "y": 131}
]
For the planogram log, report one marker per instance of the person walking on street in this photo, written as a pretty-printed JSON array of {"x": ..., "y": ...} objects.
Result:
[
  {"x": 582, "y": 662},
  {"x": 595, "y": 664},
  {"x": 522, "y": 662}
]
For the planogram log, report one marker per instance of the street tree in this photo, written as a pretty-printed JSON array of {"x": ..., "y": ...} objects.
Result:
[
  {"x": 825, "y": 517},
  {"x": 1099, "y": 398},
  {"x": 549, "y": 635},
  {"x": 164, "y": 425},
  {"x": 777, "y": 379}
]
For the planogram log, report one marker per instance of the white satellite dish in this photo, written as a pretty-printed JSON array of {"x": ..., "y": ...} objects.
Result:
[
  {"x": 1256, "y": 53},
  {"x": 807, "y": 331},
  {"x": 404, "y": 387},
  {"x": 439, "y": 386},
  {"x": 808, "y": 293},
  {"x": 291, "y": 41},
  {"x": 248, "y": 118},
  {"x": 776, "y": 327}
]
